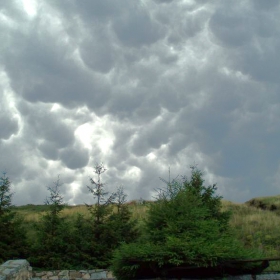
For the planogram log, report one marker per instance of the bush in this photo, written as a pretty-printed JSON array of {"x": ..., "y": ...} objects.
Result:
[
  {"x": 184, "y": 226},
  {"x": 107, "y": 229},
  {"x": 53, "y": 244},
  {"x": 12, "y": 234}
]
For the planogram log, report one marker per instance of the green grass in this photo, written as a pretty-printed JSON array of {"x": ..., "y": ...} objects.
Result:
[
  {"x": 256, "y": 222},
  {"x": 257, "y": 228}
]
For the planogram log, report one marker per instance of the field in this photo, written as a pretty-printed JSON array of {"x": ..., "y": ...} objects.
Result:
[{"x": 256, "y": 222}]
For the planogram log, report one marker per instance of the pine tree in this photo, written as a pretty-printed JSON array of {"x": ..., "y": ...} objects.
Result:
[
  {"x": 12, "y": 234},
  {"x": 109, "y": 228},
  {"x": 100, "y": 211},
  {"x": 81, "y": 256},
  {"x": 185, "y": 225},
  {"x": 53, "y": 244},
  {"x": 123, "y": 226}
]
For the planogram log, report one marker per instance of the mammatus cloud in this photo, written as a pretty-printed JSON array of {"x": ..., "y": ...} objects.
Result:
[{"x": 140, "y": 86}]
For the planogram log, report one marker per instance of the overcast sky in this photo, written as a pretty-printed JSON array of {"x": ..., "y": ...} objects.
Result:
[{"x": 139, "y": 85}]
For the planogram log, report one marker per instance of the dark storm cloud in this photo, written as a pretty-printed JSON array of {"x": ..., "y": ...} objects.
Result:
[
  {"x": 266, "y": 5},
  {"x": 75, "y": 157},
  {"x": 256, "y": 32},
  {"x": 48, "y": 150},
  {"x": 140, "y": 86},
  {"x": 8, "y": 124},
  {"x": 97, "y": 54},
  {"x": 163, "y": 1},
  {"x": 46, "y": 125},
  {"x": 137, "y": 29},
  {"x": 11, "y": 159},
  {"x": 231, "y": 29}
]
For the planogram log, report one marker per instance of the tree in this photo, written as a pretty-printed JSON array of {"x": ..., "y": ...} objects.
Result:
[
  {"x": 100, "y": 211},
  {"x": 185, "y": 225},
  {"x": 12, "y": 234},
  {"x": 122, "y": 226},
  {"x": 108, "y": 228},
  {"x": 82, "y": 254},
  {"x": 103, "y": 207},
  {"x": 208, "y": 197},
  {"x": 5, "y": 195},
  {"x": 53, "y": 245}
]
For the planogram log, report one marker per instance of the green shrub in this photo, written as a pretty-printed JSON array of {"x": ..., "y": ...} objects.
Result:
[{"x": 184, "y": 226}]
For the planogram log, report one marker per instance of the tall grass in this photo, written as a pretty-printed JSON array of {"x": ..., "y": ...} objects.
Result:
[{"x": 256, "y": 228}]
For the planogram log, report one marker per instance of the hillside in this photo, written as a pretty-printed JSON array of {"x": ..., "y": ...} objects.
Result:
[{"x": 255, "y": 222}]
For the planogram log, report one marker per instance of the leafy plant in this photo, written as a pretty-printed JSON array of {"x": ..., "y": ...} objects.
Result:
[
  {"x": 184, "y": 226},
  {"x": 108, "y": 229},
  {"x": 53, "y": 242},
  {"x": 12, "y": 234}
]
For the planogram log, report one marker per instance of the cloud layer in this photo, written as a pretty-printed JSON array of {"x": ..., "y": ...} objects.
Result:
[{"x": 139, "y": 86}]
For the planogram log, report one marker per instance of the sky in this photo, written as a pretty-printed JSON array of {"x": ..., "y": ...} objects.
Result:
[{"x": 144, "y": 87}]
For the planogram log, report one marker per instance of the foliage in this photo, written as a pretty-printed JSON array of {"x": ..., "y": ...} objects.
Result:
[
  {"x": 108, "y": 229},
  {"x": 99, "y": 230},
  {"x": 123, "y": 227},
  {"x": 103, "y": 207},
  {"x": 53, "y": 237},
  {"x": 81, "y": 257},
  {"x": 12, "y": 235},
  {"x": 255, "y": 229},
  {"x": 184, "y": 226},
  {"x": 5, "y": 195}
]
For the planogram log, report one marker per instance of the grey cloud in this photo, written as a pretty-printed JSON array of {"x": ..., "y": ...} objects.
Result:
[
  {"x": 49, "y": 75},
  {"x": 163, "y": 1},
  {"x": 255, "y": 35},
  {"x": 11, "y": 159},
  {"x": 123, "y": 104},
  {"x": 12, "y": 9},
  {"x": 269, "y": 61},
  {"x": 231, "y": 29},
  {"x": 179, "y": 141},
  {"x": 266, "y": 5},
  {"x": 187, "y": 81},
  {"x": 90, "y": 12},
  {"x": 137, "y": 29},
  {"x": 150, "y": 137},
  {"x": 74, "y": 157},
  {"x": 193, "y": 25},
  {"x": 8, "y": 125},
  {"x": 49, "y": 150},
  {"x": 97, "y": 54},
  {"x": 44, "y": 125}
]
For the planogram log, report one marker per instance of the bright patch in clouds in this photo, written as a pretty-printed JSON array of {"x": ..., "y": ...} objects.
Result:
[
  {"x": 98, "y": 133},
  {"x": 30, "y": 7},
  {"x": 133, "y": 172}
]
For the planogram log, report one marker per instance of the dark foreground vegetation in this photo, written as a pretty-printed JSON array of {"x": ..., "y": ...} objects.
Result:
[{"x": 188, "y": 224}]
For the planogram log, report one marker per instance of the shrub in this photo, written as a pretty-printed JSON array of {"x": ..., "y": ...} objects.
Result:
[{"x": 184, "y": 226}]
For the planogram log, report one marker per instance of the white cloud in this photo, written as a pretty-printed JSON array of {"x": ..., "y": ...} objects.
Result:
[{"x": 30, "y": 7}]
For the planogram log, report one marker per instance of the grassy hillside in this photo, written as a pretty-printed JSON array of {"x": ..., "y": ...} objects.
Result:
[
  {"x": 266, "y": 203},
  {"x": 256, "y": 222},
  {"x": 32, "y": 213}
]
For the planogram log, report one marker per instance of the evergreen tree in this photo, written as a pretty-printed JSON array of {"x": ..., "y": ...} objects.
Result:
[
  {"x": 54, "y": 244},
  {"x": 103, "y": 206},
  {"x": 208, "y": 197},
  {"x": 185, "y": 225},
  {"x": 123, "y": 227},
  {"x": 109, "y": 229},
  {"x": 100, "y": 211},
  {"x": 12, "y": 234},
  {"x": 81, "y": 256}
]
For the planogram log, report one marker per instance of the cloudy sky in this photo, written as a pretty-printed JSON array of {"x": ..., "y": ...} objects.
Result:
[{"x": 139, "y": 85}]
